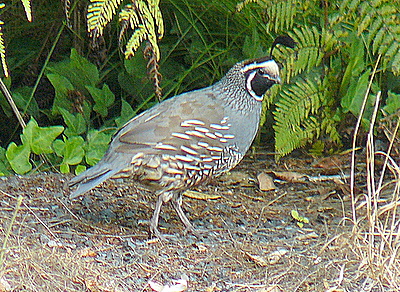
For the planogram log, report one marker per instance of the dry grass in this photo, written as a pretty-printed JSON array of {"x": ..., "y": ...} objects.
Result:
[{"x": 376, "y": 216}]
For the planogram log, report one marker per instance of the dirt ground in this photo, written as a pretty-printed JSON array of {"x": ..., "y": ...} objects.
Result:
[{"x": 250, "y": 239}]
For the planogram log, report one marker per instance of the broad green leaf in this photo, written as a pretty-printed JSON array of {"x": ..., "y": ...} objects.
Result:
[
  {"x": 18, "y": 157},
  {"x": 103, "y": 98},
  {"x": 73, "y": 152},
  {"x": 134, "y": 80},
  {"x": 79, "y": 169},
  {"x": 392, "y": 103},
  {"x": 96, "y": 147},
  {"x": 64, "y": 168},
  {"x": 40, "y": 139},
  {"x": 126, "y": 114},
  {"x": 59, "y": 147},
  {"x": 62, "y": 86},
  {"x": 354, "y": 97},
  {"x": 135, "y": 66},
  {"x": 85, "y": 72},
  {"x": 78, "y": 70},
  {"x": 21, "y": 98},
  {"x": 76, "y": 123},
  {"x": 5, "y": 167}
]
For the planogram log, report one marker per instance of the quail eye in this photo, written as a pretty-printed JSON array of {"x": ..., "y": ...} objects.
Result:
[{"x": 261, "y": 71}]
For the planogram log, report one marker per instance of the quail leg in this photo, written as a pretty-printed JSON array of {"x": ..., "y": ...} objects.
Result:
[
  {"x": 177, "y": 204},
  {"x": 156, "y": 216}
]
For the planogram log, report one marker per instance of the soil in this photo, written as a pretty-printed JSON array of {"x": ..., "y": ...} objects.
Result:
[{"x": 250, "y": 240}]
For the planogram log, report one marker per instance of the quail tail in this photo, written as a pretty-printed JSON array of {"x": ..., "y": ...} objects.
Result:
[{"x": 91, "y": 178}]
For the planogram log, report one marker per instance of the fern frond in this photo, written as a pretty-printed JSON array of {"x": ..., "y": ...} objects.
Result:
[
  {"x": 100, "y": 13},
  {"x": 153, "y": 69},
  {"x": 28, "y": 10},
  {"x": 349, "y": 5},
  {"x": 295, "y": 121},
  {"x": 135, "y": 40},
  {"x": 281, "y": 15},
  {"x": 329, "y": 127},
  {"x": 150, "y": 25},
  {"x": 2, "y": 47},
  {"x": 145, "y": 20},
  {"x": 128, "y": 18},
  {"x": 241, "y": 5},
  {"x": 379, "y": 21},
  {"x": 154, "y": 8},
  {"x": 310, "y": 49}
]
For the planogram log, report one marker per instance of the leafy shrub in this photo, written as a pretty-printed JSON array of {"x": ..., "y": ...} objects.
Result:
[
  {"x": 328, "y": 73},
  {"x": 77, "y": 99}
]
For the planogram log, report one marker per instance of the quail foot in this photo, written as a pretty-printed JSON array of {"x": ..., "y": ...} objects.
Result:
[{"x": 187, "y": 139}]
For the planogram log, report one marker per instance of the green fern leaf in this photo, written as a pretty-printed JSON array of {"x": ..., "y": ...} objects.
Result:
[
  {"x": 2, "y": 47},
  {"x": 281, "y": 15},
  {"x": 145, "y": 20},
  {"x": 349, "y": 6},
  {"x": 154, "y": 8},
  {"x": 309, "y": 49},
  {"x": 295, "y": 123},
  {"x": 241, "y": 5},
  {"x": 379, "y": 21},
  {"x": 100, "y": 13},
  {"x": 27, "y": 7},
  {"x": 135, "y": 40}
]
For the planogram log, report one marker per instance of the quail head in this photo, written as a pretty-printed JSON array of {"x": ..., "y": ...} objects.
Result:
[{"x": 188, "y": 138}]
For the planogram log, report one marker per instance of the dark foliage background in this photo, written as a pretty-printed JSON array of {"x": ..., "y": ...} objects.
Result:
[{"x": 61, "y": 77}]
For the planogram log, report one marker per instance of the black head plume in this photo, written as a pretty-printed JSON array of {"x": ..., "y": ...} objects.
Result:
[{"x": 285, "y": 40}]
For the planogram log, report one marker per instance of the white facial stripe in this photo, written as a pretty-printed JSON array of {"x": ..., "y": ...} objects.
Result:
[
  {"x": 248, "y": 83},
  {"x": 269, "y": 65}
]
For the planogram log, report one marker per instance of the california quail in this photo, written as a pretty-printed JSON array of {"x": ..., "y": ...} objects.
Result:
[{"x": 189, "y": 138}]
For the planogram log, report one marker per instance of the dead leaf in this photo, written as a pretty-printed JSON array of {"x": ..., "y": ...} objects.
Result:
[
  {"x": 212, "y": 288},
  {"x": 307, "y": 236},
  {"x": 259, "y": 260},
  {"x": 200, "y": 196},
  {"x": 180, "y": 285},
  {"x": 88, "y": 252},
  {"x": 290, "y": 176},
  {"x": 330, "y": 162},
  {"x": 273, "y": 288},
  {"x": 275, "y": 256},
  {"x": 237, "y": 178},
  {"x": 265, "y": 182}
]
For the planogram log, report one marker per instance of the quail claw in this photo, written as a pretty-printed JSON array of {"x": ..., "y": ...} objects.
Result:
[
  {"x": 177, "y": 204},
  {"x": 189, "y": 226},
  {"x": 154, "y": 231}
]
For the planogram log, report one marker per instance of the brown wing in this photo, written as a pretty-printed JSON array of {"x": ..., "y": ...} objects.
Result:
[{"x": 177, "y": 126}]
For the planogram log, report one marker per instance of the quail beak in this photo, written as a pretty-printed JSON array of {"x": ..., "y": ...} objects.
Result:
[{"x": 277, "y": 80}]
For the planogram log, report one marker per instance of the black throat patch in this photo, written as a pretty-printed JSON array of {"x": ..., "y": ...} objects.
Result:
[{"x": 261, "y": 83}]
